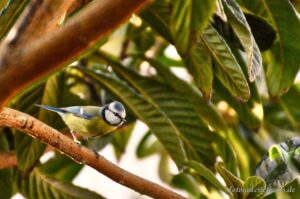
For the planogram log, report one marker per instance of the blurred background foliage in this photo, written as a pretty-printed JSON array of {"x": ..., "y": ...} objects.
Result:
[{"x": 185, "y": 68}]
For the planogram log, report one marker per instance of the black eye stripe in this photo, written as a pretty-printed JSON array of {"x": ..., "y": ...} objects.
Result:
[
  {"x": 116, "y": 114},
  {"x": 103, "y": 114}
]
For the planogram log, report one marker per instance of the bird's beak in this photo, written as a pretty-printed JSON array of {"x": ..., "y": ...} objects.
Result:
[{"x": 124, "y": 120}]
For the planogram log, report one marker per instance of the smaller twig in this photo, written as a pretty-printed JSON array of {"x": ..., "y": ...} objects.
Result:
[{"x": 8, "y": 159}]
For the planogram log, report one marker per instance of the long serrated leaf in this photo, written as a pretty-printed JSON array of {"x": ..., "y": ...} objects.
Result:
[
  {"x": 160, "y": 125},
  {"x": 227, "y": 68},
  {"x": 199, "y": 65},
  {"x": 28, "y": 151},
  {"x": 243, "y": 32},
  {"x": 189, "y": 18},
  {"x": 61, "y": 168},
  {"x": 207, "y": 174},
  {"x": 289, "y": 103},
  {"x": 231, "y": 180},
  {"x": 158, "y": 15},
  {"x": 53, "y": 94},
  {"x": 188, "y": 183},
  {"x": 38, "y": 185},
  {"x": 9, "y": 14},
  {"x": 243, "y": 109},
  {"x": 285, "y": 61},
  {"x": 255, "y": 6},
  {"x": 206, "y": 111},
  {"x": 227, "y": 154},
  {"x": 120, "y": 140},
  {"x": 287, "y": 50},
  {"x": 147, "y": 146}
]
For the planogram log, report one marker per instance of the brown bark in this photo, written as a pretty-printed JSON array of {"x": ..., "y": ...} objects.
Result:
[
  {"x": 44, "y": 133},
  {"x": 25, "y": 64},
  {"x": 40, "y": 17}
]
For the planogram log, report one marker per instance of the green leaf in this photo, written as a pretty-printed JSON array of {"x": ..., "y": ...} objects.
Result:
[
  {"x": 158, "y": 15},
  {"x": 39, "y": 185},
  {"x": 207, "y": 174},
  {"x": 285, "y": 61},
  {"x": 28, "y": 151},
  {"x": 61, "y": 168},
  {"x": 121, "y": 138},
  {"x": 255, "y": 187},
  {"x": 186, "y": 182},
  {"x": 283, "y": 169},
  {"x": 52, "y": 96},
  {"x": 147, "y": 146},
  {"x": 297, "y": 151},
  {"x": 3, "y": 3},
  {"x": 166, "y": 131},
  {"x": 243, "y": 32},
  {"x": 255, "y": 6},
  {"x": 142, "y": 37},
  {"x": 6, "y": 178},
  {"x": 199, "y": 64},
  {"x": 226, "y": 152},
  {"x": 231, "y": 180},
  {"x": 9, "y": 14},
  {"x": 189, "y": 18},
  {"x": 243, "y": 109},
  {"x": 275, "y": 152},
  {"x": 289, "y": 103},
  {"x": 227, "y": 68},
  {"x": 206, "y": 111}
]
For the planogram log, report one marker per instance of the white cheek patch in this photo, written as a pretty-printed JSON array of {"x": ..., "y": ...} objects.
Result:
[{"x": 111, "y": 118}]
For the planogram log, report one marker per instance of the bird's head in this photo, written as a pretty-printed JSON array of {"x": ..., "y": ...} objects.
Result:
[{"x": 114, "y": 113}]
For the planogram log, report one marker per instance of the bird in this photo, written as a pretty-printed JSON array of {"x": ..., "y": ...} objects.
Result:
[{"x": 91, "y": 121}]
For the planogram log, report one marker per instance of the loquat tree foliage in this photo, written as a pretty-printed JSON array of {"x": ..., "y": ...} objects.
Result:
[{"x": 215, "y": 82}]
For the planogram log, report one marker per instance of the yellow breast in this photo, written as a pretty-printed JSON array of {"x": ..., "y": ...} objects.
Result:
[{"x": 87, "y": 128}]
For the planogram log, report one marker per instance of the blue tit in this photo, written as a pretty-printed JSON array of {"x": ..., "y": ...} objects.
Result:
[{"x": 91, "y": 121}]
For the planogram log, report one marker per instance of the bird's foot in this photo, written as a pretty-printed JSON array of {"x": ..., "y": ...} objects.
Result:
[
  {"x": 75, "y": 139},
  {"x": 77, "y": 142}
]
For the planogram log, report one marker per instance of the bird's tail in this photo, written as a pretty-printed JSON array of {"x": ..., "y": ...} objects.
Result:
[{"x": 57, "y": 110}]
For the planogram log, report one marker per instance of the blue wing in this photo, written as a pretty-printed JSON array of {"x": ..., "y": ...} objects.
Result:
[{"x": 75, "y": 110}]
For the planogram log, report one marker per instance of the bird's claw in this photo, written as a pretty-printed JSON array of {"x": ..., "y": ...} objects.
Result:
[
  {"x": 75, "y": 139},
  {"x": 77, "y": 142}
]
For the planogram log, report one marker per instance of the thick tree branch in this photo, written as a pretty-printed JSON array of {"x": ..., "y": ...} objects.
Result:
[
  {"x": 39, "y": 18},
  {"x": 44, "y": 133},
  {"x": 28, "y": 63}
]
